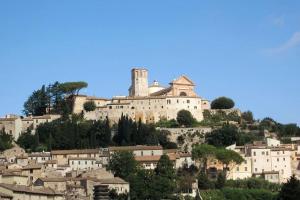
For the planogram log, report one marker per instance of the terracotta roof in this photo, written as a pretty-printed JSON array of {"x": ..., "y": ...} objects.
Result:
[
  {"x": 75, "y": 151},
  {"x": 135, "y": 148},
  {"x": 25, "y": 189}
]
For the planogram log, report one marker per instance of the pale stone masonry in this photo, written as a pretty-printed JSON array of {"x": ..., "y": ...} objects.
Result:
[{"x": 149, "y": 104}]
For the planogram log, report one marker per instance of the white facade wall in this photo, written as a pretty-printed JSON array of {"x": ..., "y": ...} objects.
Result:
[
  {"x": 84, "y": 164},
  {"x": 281, "y": 162},
  {"x": 241, "y": 171},
  {"x": 261, "y": 160}
]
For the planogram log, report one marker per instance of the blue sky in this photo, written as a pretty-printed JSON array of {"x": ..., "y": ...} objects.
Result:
[{"x": 247, "y": 50}]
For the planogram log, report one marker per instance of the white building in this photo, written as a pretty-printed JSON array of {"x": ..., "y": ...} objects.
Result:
[
  {"x": 149, "y": 104},
  {"x": 84, "y": 163}
]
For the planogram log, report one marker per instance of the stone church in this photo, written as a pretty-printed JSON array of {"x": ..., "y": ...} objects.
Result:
[{"x": 148, "y": 103}]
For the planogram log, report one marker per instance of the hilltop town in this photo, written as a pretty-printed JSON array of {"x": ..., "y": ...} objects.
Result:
[{"x": 157, "y": 142}]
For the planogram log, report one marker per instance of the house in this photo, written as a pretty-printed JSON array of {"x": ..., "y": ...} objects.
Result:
[
  {"x": 19, "y": 192},
  {"x": 184, "y": 159},
  {"x": 40, "y": 157},
  {"x": 77, "y": 163},
  {"x": 272, "y": 176},
  {"x": 14, "y": 178},
  {"x": 12, "y": 125},
  {"x": 62, "y": 156},
  {"x": 139, "y": 150},
  {"x": 56, "y": 184},
  {"x": 51, "y": 164},
  {"x": 150, "y": 162},
  {"x": 33, "y": 171}
]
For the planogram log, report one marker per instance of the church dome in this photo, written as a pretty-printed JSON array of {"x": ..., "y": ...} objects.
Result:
[{"x": 155, "y": 87}]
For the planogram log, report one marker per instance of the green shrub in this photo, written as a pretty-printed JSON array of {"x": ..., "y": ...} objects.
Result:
[
  {"x": 89, "y": 106},
  {"x": 222, "y": 103}
]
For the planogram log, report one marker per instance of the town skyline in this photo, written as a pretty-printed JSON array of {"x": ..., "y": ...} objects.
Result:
[{"x": 251, "y": 58}]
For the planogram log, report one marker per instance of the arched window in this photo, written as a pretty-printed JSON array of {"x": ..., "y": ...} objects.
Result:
[{"x": 182, "y": 94}]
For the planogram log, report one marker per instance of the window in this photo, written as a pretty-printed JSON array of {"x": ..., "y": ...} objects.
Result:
[
  {"x": 262, "y": 153},
  {"x": 254, "y": 153},
  {"x": 237, "y": 169},
  {"x": 86, "y": 162},
  {"x": 152, "y": 153},
  {"x": 110, "y": 107},
  {"x": 277, "y": 159},
  {"x": 187, "y": 101},
  {"x": 267, "y": 153},
  {"x": 246, "y": 169},
  {"x": 256, "y": 169}
]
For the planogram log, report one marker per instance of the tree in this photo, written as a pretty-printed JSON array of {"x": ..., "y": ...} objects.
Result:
[
  {"x": 290, "y": 190},
  {"x": 122, "y": 164},
  {"x": 203, "y": 152},
  {"x": 185, "y": 118},
  {"x": 203, "y": 182},
  {"x": 5, "y": 140},
  {"x": 28, "y": 141},
  {"x": 89, "y": 106},
  {"x": 225, "y": 136},
  {"x": 248, "y": 116},
  {"x": 164, "y": 182},
  {"x": 227, "y": 156},
  {"x": 72, "y": 88},
  {"x": 37, "y": 103},
  {"x": 221, "y": 180},
  {"x": 222, "y": 103}
]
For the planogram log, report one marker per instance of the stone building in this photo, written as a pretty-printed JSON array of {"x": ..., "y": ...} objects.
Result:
[
  {"x": 147, "y": 103},
  {"x": 12, "y": 125}
]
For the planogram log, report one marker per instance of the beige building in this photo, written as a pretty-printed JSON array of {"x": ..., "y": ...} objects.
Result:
[
  {"x": 62, "y": 156},
  {"x": 150, "y": 104},
  {"x": 12, "y": 125},
  {"x": 19, "y": 192},
  {"x": 84, "y": 163}
]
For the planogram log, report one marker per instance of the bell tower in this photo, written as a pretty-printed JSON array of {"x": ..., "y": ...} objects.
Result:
[{"x": 139, "y": 83}]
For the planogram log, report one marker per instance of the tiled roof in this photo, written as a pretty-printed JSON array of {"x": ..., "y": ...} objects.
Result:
[
  {"x": 25, "y": 189},
  {"x": 32, "y": 166},
  {"x": 135, "y": 148}
]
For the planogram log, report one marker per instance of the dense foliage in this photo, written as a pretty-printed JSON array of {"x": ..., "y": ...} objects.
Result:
[
  {"x": 5, "y": 140},
  {"x": 219, "y": 117},
  {"x": 70, "y": 133},
  {"x": 89, "y": 106},
  {"x": 228, "y": 135},
  {"x": 52, "y": 99},
  {"x": 130, "y": 132},
  {"x": 253, "y": 183},
  {"x": 290, "y": 190},
  {"x": 222, "y": 103},
  {"x": 145, "y": 184},
  {"x": 185, "y": 118}
]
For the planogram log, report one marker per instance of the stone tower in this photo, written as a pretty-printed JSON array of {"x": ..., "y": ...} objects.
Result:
[{"x": 139, "y": 83}]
